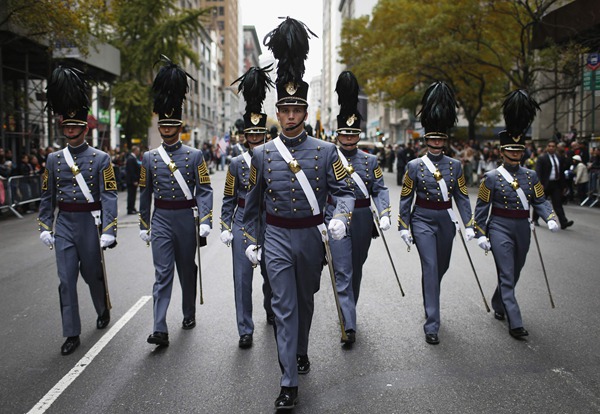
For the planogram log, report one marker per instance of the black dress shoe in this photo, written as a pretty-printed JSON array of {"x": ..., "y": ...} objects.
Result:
[
  {"x": 245, "y": 341},
  {"x": 567, "y": 224},
  {"x": 499, "y": 315},
  {"x": 518, "y": 332},
  {"x": 70, "y": 345},
  {"x": 188, "y": 323},
  {"x": 303, "y": 364},
  {"x": 103, "y": 320},
  {"x": 288, "y": 398},
  {"x": 132, "y": 212},
  {"x": 159, "y": 338},
  {"x": 432, "y": 339},
  {"x": 350, "y": 337},
  {"x": 270, "y": 319}
]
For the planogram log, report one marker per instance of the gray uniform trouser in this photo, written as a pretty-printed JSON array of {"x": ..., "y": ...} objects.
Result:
[
  {"x": 242, "y": 282},
  {"x": 433, "y": 232},
  {"x": 349, "y": 256},
  {"x": 510, "y": 239},
  {"x": 294, "y": 260},
  {"x": 173, "y": 243},
  {"x": 77, "y": 250}
]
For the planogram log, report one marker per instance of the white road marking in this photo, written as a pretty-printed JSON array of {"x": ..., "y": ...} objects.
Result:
[{"x": 84, "y": 362}]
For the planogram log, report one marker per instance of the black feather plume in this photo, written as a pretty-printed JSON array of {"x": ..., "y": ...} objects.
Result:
[
  {"x": 289, "y": 44},
  {"x": 438, "y": 111},
  {"x": 253, "y": 86},
  {"x": 169, "y": 87},
  {"x": 519, "y": 112},
  {"x": 67, "y": 90},
  {"x": 347, "y": 89}
]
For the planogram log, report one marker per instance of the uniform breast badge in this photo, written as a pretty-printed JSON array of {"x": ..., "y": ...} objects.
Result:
[
  {"x": 515, "y": 185},
  {"x": 172, "y": 166},
  {"x": 350, "y": 169},
  {"x": 75, "y": 169},
  {"x": 437, "y": 175},
  {"x": 294, "y": 166}
]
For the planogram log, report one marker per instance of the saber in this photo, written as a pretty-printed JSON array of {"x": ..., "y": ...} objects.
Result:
[
  {"x": 333, "y": 284},
  {"x": 197, "y": 222},
  {"x": 108, "y": 303},
  {"x": 473, "y": 267},
  {"x": 543, "y": 267},
  {"x": 388, "y": 251}
]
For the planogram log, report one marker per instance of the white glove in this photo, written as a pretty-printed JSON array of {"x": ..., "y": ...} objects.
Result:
[
  {"x": 384, "y": 223},
  {"x": 405, "y": 234},
  {"x": 253, "y": 254},
  {"x": 484, "y": 243},
  {"x": 337, "y": 228},
  {"x": 107, "y": 240},
  {"x": 469, "y": 234},
  {"x": 47, "y": 238},
  {"x": 145, "y": 235},
  {"x": 226, "y": 237},
  {"x": 552, "y": 226},
  {"x": 204, "y": 230}
]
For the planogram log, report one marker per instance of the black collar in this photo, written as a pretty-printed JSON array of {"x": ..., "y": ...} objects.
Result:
[
  {"x": 292, "y": 142},
  {"x": 173, "y": 147},
  {"x": 79, "y": 149}
]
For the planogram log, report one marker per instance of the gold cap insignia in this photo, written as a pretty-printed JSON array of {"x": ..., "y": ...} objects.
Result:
[
  {"x": 291, "y": 88},
  {"x": 71, "y": 113},
  {"x": 255, "y": 118},
  {"x": 351, "y": 120},
  {"x": 437, "y": 175},
  {"x": 517, "y": 139},
  {"x": 294, "y": 166}
]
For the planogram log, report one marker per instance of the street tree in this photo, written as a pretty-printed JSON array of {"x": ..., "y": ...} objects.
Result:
[
  {"x": 144, "y": 30},
  {"x": 482, "y": 49},
  {"x": 73, "y": 23}
]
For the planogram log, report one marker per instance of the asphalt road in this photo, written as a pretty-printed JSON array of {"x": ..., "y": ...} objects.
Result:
[{"x": 477, "y": 368}]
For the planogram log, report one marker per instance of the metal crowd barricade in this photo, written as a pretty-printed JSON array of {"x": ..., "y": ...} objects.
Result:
[
  {"x": 21, "y": 190},
  {"x": 594, "y": 190}
]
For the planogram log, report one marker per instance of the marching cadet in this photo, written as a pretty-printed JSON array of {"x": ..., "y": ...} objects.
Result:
[
  {"x": 80, "y": 181},
  {"x": 295, "y": 172},
  {"x": 435, "y": 179},
  {"x": 350, "y": 253},
  {"x": 176, "y": 176},
  {"x": 253, "y": 85},
  {"x": 509, "y": 191}
]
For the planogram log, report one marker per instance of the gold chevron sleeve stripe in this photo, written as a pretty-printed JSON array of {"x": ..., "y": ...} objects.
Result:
[
  {"x": 407, "y": 185},
  {"x": 378, "y": 173},
  {"x": 45, "y": 179},
  {"x": 143, "y": 223},
  {"x": 44, "y": 226},
  {"x": 229, "y": 185},
  {"x": 110, "y": 181},
  {"x": 249, "y": 237},
  {"x": 143, "y": 176},
  {"x": 252, "y": 178},
  {"x": 539, "y": 190},
  {"x": 203, "y": 177},
  {"x": 207, "y": 217},
  {"x": 462, "y": 184},
  {"x": 484, "y": 192},
  {"x": 338, "y": 170},
  {"x": 402, "y": 223},
  {"x": 112, "y": 224}
]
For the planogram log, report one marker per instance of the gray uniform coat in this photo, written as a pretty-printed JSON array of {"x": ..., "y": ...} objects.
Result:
[
  {"x": 509, "y": 236},
  {"x": 433, "y": 230},
  {"x": 77, "y": 245},
  {"x": 350, "y": 253},
  {"x": 172, "y": 228},
  {"x": 293, "y": 248}
]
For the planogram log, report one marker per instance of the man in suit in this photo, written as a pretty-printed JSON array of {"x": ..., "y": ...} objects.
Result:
[
  {"x": 132, "y": 177},
  {"x": 549, "y": 169}
]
